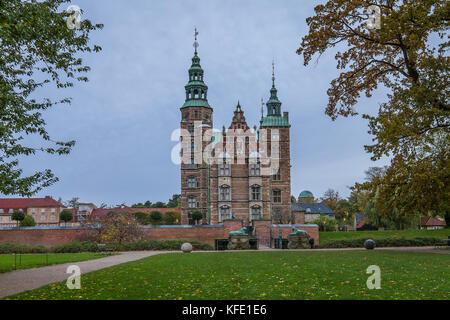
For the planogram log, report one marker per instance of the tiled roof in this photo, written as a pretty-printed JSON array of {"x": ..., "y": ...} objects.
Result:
[
  {"x": 314, "y": 208},
  {"x": 24, "y": 203},
  {"x": 431, "y": 222}
]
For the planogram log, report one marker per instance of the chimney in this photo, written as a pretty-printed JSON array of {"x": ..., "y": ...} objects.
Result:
[{"x": 286, "y": 116}]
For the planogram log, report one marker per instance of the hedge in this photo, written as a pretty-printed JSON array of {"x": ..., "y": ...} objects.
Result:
[
  {"x": 87, "y": 246},
  {"x": 387, "y": 242}
]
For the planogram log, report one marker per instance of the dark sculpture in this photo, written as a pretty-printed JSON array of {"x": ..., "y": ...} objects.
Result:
[
  {"x": 299, "y": 232},
  {"x": 242, "y": 232}
]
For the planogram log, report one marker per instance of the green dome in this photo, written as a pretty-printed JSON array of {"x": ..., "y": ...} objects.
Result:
[{"x": 306, "y": 194}]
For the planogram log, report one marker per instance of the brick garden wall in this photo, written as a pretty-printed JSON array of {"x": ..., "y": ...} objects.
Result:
[
  {"x": 206, "y": 233},
  {"x": 41, "y": 236}
]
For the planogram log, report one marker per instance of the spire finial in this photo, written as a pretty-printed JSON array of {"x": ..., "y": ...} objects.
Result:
[
  {"x": 196, "y": 45},
  {"x": 273, "y": 73},
  {"x": 262, "y": 108}
]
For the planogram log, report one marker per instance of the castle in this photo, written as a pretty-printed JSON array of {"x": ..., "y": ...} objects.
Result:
[{"x": 238, "y": 173}]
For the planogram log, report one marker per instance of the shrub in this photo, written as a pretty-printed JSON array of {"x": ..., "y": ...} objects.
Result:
[
  {"x": 75, "y": 247},
  {"x": 326, "y": 223},
  {"x": 28, "y": 221},
  {"x": 172, "y": 217},
  {"x": 150, "y": 244},
  {"x": 142, "y": 217},
  {"x": 387, "y": 242},
  {"x": 197, "y": 215},
  {"x": 156, "y": 216},
  {"x": 6, "y": 248}
]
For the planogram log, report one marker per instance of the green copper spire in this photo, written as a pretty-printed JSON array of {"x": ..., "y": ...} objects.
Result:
[
  {"x": 196, "y": 89},
  {"x": 273, "y": 105},
  {"x": 274, "y": 117}
]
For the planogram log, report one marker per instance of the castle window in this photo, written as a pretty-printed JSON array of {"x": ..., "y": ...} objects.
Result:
[
  {"x": 225, "y": 213},
  {"x": 225, "y": 193},
  {"x": 192, "y": 147},
  {"x": 255, "y": 169},
  {"x": 196, "y": 112},
  {"x": 192, "y": 202},
  {"x": 191, "y": 130},
  {"x": 277, "y": 175},
  {"x": 256, "y": 193},
  {"x": 256, "y": 213},
  {"x": 192, "y": 182},
  {"x": 224, "y": 169},
  {"x": 276, "y": 196}
]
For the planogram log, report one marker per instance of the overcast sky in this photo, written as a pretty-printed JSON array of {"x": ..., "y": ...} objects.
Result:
[{"x": 122, "y": 119}]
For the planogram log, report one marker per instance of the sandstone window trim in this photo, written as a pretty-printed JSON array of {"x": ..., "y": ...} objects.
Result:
[
  {"x": 192, "y": 182},
  {"x": 224, "y": 169},
  {"x": 225, "y": 213},
  {"x": 192, "y": 202},
  {"x": 256, "y": 213},
  {"x": 255, "y": 169},
  {"x": 255, "y": 192},
  {"x": 225, "y": 193},
  {"x": 276, "y": 196}
]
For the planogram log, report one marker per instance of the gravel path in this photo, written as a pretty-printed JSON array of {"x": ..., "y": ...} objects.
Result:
[{"x": 28, "y": 279}]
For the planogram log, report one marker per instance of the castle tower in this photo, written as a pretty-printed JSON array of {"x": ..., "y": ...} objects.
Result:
[
  {"x": 278, "y": 132},
  {"x": 196, "y": 119}
]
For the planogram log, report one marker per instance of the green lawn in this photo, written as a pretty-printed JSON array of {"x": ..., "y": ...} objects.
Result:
[
  {"x": 407, "y": 234},
  {"x": 263, "y": 275},
  {"x": 26, "y": 261}
]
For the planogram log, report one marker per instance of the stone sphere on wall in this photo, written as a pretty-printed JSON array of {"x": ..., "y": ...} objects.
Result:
[{"x": 186, "y": 247}]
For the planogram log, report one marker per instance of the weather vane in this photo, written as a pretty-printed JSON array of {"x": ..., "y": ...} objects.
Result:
[{"x": 196, "y": 45}]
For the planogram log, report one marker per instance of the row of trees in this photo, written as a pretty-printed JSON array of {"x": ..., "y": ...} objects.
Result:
[
  {"x": 174, "y": 202},
  {"x": 156, "y": 217},
  {"x": 364, "y": 201}
]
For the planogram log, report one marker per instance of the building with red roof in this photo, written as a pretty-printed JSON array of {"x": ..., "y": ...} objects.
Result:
[
  {"x": 430, "y": 223},
  {"x": 45, "y": 211}
]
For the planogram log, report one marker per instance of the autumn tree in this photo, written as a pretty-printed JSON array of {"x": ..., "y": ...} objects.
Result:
[
  {"x": 406, "y": 54},
  {"x": 117, "y": 229},
  {"x": 37, "y": 49}
]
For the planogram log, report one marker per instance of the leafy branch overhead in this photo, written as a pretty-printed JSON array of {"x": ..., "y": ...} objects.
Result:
[
  {"x": 37, "y": 49},
  {"x": 408, "y": 55},
  {"x": 398, "y": 52}
]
